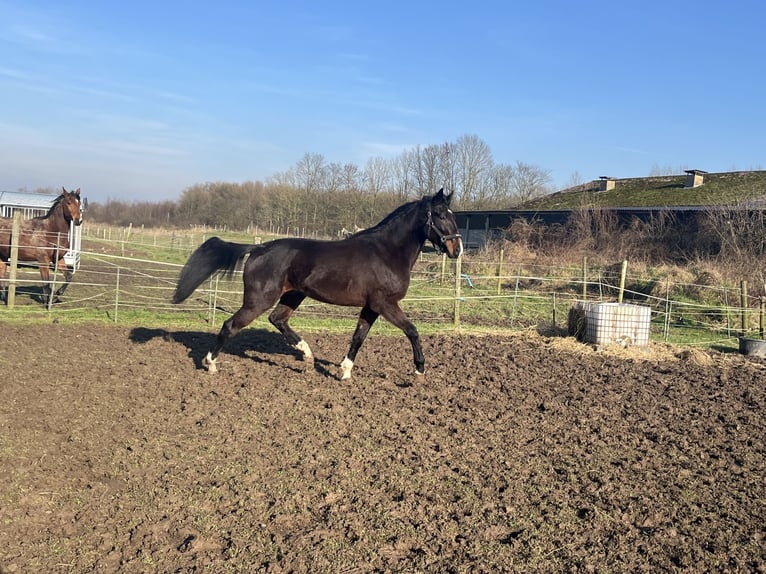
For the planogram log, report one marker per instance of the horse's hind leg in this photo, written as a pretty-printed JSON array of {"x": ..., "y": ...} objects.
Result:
[
  {"x": 280, "y": 316},
  {"x": 253, "y": 306},
  {"x": 366, "y": 319},
  {"x": 3, "y": 282}
]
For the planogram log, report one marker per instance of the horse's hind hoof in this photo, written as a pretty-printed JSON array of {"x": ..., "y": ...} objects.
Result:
[{"x": 209, "y": 364}]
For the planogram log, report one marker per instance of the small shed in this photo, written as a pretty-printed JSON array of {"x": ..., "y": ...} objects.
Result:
[
  {"x": 694, "y": 177},
  {"x": 607, "y": 183},
  {"x": 36, "y": 205}
]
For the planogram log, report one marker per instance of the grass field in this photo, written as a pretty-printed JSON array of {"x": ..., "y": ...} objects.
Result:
[{"x": 127, "y": 277}]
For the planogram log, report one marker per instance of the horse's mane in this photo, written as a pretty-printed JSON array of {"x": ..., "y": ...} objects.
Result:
[
  {"x": 54, "y": 205},
  {"x": 403, "y": 211}
]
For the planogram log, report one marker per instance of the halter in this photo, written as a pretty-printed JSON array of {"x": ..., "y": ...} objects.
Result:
[{"x": 442, "y": 238}]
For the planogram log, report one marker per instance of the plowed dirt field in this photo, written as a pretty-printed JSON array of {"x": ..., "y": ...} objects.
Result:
[{"x": 512, "y": 454}]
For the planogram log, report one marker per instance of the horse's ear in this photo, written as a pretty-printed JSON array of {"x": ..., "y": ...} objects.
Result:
[
  {"x": 77, "y": 192},
  {"x": 440, "y": 196},
  {"x": 63, "y": 190}
]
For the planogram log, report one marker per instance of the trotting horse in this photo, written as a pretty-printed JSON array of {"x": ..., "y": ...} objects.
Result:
[
  {"x": 370, "y": 269},
  {"x": 42, "y": 240}
]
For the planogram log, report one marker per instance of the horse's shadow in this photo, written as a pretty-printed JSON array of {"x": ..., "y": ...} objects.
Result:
[
  {"x": 253, "y": 344},
  {"x": 34, "y": 292}
]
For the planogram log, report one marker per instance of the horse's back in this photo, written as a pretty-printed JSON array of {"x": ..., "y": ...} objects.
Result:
[
  {"x": 347, "y": 272},
  {"x": 35, "y": 242}
]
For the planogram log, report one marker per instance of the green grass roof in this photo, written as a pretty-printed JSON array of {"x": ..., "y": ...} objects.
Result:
[{"x": 730, "y": 188}]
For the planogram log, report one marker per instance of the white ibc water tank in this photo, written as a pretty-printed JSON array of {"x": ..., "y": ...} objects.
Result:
[{"x": 611, "y": 323}]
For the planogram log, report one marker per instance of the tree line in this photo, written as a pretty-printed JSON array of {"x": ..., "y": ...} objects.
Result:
[{"x": 317, "y": 197}]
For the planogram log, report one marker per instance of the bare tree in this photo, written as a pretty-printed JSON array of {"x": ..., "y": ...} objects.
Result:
[
  {"x": 309, "y": 173},
  {"x": 376, "y": 180},
  {"x": 448, "y": 167},
  {"x": 377, "y": 175},
  {"x": 529, "y": 181},
  {"x": 658, "y": 170},
  {"x": 473, "y": 163},
  {"x": 351, "y": 178},
  {"x": 427, "y": 170},
  {"x": 402, "y": 175},
  {"x": 333, "y": 178},
  {"x": 575, "y": 179},
  {"x": 499, "y": 184}
]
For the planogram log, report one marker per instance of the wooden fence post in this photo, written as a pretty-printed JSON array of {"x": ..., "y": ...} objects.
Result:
[
  {"x": 52, "y": 284},
  {"x": 668, "y": 307},
  {"x": 584, "y": 277},
  {"x": 554, "y": 310},
  {"x": 515, "y": 294},
  {"x": 623, "y": 272},
  {"x": 743, "y": 305},
  {"x": 117, "y": 294},
  {"x": 444, "y": 268},
  {"x": 500, "y": 272},
  {"x": 456, "y": 317},
  {"x": 15, "y": 233}
]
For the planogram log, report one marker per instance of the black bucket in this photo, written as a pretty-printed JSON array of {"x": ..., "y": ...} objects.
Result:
[{"x": 752, "y": 347}]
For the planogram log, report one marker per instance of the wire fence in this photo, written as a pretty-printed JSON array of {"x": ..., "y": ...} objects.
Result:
[{"x": 131, "y": 278}]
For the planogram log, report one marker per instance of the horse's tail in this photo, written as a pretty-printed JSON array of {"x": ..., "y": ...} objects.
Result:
[{"x": 212, "y": 256}]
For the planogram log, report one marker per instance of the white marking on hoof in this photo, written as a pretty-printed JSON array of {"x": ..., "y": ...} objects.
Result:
[
  {"x": 345, "y": 368},
  {"x": 303, "y": 347},
  {"x": 419, "y": 373},
  {"x": 209, "y": 363}
]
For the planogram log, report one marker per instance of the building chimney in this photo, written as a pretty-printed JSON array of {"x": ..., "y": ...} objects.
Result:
[{"x": 694, "y": 177}]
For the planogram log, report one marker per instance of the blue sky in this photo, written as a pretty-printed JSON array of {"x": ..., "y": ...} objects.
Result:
[{"x": 139, "y": 100}]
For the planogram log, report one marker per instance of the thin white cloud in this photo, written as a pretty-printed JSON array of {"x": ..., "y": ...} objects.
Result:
[
  {"x": 14, "y": 74},
  {"x": 28, "y": 35},
  {"x": 175, "y": 97}
]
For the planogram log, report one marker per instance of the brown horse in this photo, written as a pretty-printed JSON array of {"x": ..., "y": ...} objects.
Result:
[
  {"x": 44, "y": 241},
  {"x": 370, "y": 269}
]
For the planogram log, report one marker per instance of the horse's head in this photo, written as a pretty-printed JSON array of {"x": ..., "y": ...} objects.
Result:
[
  {"x": 70, "y": 204},
  {"x": 441, "y": 227}
]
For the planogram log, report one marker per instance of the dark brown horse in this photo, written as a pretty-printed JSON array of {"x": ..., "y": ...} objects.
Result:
[
  {"x": 43, "y": 240},
  {"x": 371, "y": 269}
]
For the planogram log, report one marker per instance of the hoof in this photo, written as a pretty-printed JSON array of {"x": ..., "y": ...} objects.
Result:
[
  {"x": 308, "y": 356},
  {"x": 345, "y": 369},
  {"x": 419, "y": 373},
  {"x": 209, "y": 364}
]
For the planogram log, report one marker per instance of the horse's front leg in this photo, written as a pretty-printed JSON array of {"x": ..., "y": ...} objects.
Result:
[
  {"x": 394, "y": 314},
  {"x": 366, "y": 318},
  {"x": 47, "y": 292},
  {"x": 67, "y": 278}
]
